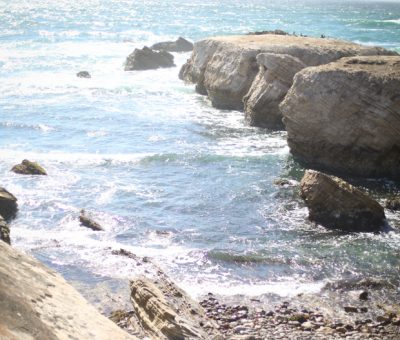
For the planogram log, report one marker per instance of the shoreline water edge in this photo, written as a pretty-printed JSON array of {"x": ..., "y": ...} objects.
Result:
[{"x": 339, "y": 103}]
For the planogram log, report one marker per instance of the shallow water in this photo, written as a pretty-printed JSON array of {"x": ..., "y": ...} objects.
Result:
[{"x": 167, "y": 175}]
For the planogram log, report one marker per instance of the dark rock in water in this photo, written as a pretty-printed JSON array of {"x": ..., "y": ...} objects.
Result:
[
  {"x": 393, "y": 203},
  {"x": 147, "y": 59},
  {"x": 363, "y": 295},
  {"x": 180, "y": 45},
  {"x": 334, "y": 203},
  {"x": 83, "y": 74},
  {"x": 4, "y": 231},
  {"x": 28, "y": 168},
  {"x": 351, "y": 309},
  {"x": 8, "y": 204},
  {"x": 126, "y": 253},
  {"x": 88, "y": 222}
]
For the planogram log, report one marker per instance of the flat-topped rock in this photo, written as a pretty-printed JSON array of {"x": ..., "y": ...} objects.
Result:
[
  {"x": 180, "y": 45},
  {"x": 344, "y": 116},
  {"x": 224, "y": 68},
  {"x": 148, "y": 59},
  {"x": 37, "y": 303}
]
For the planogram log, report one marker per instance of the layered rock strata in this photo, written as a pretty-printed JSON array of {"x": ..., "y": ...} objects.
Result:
[
  {"x": 37, "y": 303},
  {"x": 224, "y": 68},
  {"x": 334, "y": 203},
  {"x": 345, "y": 116},
  {"x": 166, "y": 312}
]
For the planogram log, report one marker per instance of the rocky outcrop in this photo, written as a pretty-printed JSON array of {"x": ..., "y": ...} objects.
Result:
[
  {"x": 334, "y": 203},
  {"x": 224, "y": 68},
  {"x": 86, "y": 221},
  {"x": 37, "y": 303},
  {"x": 166, "y": 312},
  {"x": 180, "y": 45},
  {"x": 4, "y": 231},
  {"x": 83, "y": 74},
  {"x": 275, "y": 77},
  {"x": 8, "y": 204},
  {"x": 28, "y": 168},
  {"x": 147, "y": 59},
  {"x": 344, "y": 116}
]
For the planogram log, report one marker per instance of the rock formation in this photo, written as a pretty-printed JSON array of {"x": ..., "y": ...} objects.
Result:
[
  {"x": 166, "y": 312},
  {"x": 345, "y": 116},
  {"x": 224, "y": 68},
  {"x": 8, "y": 204},
  {"x": 28, "y": 168},
  {"x": 180, "y": 45},
  {"x": 83, "y": 74},
  {"x": 275, "y": 76},
  {"x": 37, "y": 303},
  {"x": 147, "y": 59},
  {"x": 334, "y": 203},
  {"x": 88, "y": 222},
  {"x": 4, "y": 231}
]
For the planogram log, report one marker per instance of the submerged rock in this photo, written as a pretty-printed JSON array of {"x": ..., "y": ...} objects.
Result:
[
  {"x": 344, "y": 116},
  {"x": 28, "y": 168},
  {"x": 224, "y": 68},
  {"x": 180, "y": 45},
  {"x": 88, "y": 222},
  {"x": 8, "y": 204},
  {"x": 334, "y": 203},
  {"x": 83, "y": 74},
  {"x": 4, "y": 231},
  {"x": 165, "y": 311},
  {"x": 147, "y": 59},
  {"x": 37, "y": 303}
]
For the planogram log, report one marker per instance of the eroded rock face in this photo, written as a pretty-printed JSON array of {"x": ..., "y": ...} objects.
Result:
[
  {"x": 28, "y": 168},
  {"x": 336, "y": 204},
  {"x": 180, "y": 45},
  {"x": 147, "y": 59},
  {"x": 8, "y": 204},
  {"x": 344, "y": 116},
  {"x": 37, "y": 303},
  {"x": 274, "y": 78},
  {"x": 166, "y": 312},
  {"x": 224, "y": 68}
]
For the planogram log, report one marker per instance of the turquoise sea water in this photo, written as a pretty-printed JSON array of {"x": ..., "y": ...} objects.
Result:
[{"x": 167, "y": 175}]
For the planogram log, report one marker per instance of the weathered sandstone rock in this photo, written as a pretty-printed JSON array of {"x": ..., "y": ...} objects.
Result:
[
  {"x": 83, "y": 74},
  {"x": 166, "y": 312},
  {"x": 334, "y": 203},
  {"x": 88, "y": 222},
  {"x": 28, "y": 168},
  {"x": 224, "y": 67},
  {"x": 8, "y": 204},
  {"x": 37, "y": 303},
  {"x": 147, "y": 59},
  {"x": 344, "y": 116},
  {"x": 275, "y": 77},
  {"x": 4, "y": 231},
  {"x": 180, "y": 45}
]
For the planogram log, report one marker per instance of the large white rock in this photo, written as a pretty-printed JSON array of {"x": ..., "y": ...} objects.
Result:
[
  {"x": 345, "y": 116},
  {"x": 224, "y": 68}
]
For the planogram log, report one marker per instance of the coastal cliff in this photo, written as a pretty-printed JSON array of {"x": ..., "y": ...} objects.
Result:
[{"x": 233, "y": 74}]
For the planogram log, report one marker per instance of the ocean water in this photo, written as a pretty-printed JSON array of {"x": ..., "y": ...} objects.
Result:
[{"x": 168, "y": 176}]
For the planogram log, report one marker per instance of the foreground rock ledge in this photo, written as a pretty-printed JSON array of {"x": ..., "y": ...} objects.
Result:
[
  {"x": 224, "y": 68},
  {"x": 37, "y": 303},
  {"x": 334, "y": 203},
  {"x": 166, "y": 312},
  {"x": 344, "y": 116}
]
